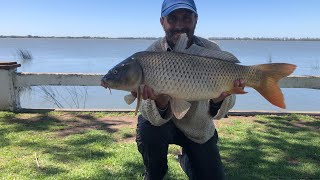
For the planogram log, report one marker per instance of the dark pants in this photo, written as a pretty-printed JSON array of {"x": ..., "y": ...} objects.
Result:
[{"x": 153, "y": 142}]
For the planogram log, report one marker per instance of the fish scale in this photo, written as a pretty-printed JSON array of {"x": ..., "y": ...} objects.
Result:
[{"x": 188, "y": 77}]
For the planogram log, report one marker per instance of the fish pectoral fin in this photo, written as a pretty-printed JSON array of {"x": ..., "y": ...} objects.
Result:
[
  {"x": 179, "y": 107},
  {"x": 236, "y": 91},
  {"x": 139, "y": 94},
  {"x": 129, "y": 99}
]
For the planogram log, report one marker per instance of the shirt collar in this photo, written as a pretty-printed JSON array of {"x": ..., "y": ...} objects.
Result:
[{"x": 166, "y": 46}]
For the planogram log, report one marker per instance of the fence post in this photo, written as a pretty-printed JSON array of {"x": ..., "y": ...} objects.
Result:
[{"x": 9, "y": 95}]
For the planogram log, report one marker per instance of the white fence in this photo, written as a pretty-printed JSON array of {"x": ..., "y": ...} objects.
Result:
[{"x": 11, "y": 81}]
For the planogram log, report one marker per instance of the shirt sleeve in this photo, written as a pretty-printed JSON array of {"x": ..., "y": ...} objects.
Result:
[
  {"x": 148, "y": 107},
  {"x": 227, "y": 104},
  {"x": 150, "y": 112}
]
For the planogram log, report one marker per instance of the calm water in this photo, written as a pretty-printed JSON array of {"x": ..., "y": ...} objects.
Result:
[{"x": 97, "y": 56}]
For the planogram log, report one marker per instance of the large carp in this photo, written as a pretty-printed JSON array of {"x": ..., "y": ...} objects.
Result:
[{"x": 186, "y": 77}]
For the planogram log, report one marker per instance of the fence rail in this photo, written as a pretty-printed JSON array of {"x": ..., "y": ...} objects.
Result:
[
  {"x": 57, "y": 79},
  {"x": 82, "y": 79},
  {"x": 11, "y": 81}
]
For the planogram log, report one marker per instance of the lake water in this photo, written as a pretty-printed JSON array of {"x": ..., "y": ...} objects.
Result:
[{"x": 97, "y": 56}]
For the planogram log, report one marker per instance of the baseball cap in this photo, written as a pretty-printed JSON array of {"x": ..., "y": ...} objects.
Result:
[{"x": 170, "y": 5}]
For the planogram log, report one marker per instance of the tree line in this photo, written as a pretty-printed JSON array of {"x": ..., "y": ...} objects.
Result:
[
  {"x": 265, "y": 38},
  {"x": 153, "y": 38},
  {"x": 74, "y": 37}
]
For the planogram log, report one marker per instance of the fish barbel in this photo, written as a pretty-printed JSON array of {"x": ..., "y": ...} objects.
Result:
[{"x": 186, "y": 77}]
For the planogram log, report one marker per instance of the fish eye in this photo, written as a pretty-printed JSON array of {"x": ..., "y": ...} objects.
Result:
[{"x": 115, "y": 71}]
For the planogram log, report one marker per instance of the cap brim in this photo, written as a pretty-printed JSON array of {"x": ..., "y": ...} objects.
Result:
[{"x": 175, "y": 7}]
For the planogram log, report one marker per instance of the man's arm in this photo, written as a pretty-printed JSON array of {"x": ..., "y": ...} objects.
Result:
[{"x": 155, "y": 109}]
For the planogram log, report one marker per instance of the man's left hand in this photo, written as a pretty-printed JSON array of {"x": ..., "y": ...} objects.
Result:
[{"x": 238, "y": 84}]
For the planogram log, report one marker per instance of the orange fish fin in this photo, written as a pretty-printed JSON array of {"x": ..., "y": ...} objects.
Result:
[
  {"x": 236, "y": 91},
  {"x": 271, "y": 74}
]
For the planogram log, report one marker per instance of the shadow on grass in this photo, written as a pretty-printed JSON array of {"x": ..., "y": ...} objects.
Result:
[
  {"x": 3, "y": 140},
  {"x": 131, "y": 169},
  {"x": 85, "y": 122},
  {"x": 63, "y": 123},
  {"x": 271, "y": 147},
  {"x": 15, "y": 124},
  {"x": 41, "y": 122},
  {"x": 59, "y": 139},
  {"x": 51, "y": 171},
  {"x": 280, "y": 150}
]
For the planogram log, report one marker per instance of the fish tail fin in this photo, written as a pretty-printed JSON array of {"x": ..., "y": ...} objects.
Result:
[{"x": 269, "y": 87}]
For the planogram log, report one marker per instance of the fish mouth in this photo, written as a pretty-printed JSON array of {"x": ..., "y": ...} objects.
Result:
[{"x": 105, "y": 85}]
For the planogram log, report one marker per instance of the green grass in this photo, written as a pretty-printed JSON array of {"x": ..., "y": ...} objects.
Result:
[
  {"x": 88, "y": 146},
  {"x": 271, "y": 147},
  {"x": 107, "y": 114}
]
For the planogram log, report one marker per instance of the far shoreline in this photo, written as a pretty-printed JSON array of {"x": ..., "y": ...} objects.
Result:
[{"x": 155, "y": 38}]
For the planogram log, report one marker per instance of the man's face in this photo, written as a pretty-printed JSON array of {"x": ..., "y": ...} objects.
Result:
[{"x": 178, "y": 22}]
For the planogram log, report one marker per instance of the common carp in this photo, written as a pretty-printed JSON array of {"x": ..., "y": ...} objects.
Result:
[{"x": 186, "y": 77}]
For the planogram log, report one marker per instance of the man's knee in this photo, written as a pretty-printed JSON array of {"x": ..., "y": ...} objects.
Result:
[{"x": 149, "y": 134}]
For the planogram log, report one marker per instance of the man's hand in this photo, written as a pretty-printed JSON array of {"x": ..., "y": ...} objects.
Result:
[
  {"x": 161, "y": 101},
  {"x": 239, "y": 84}
]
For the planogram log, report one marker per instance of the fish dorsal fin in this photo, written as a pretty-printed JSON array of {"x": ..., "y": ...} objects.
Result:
[
  {"x": 129, "y": 99},
  {"x": 217, "y": 54},
  {"x": 194, "y": 49},
  {"x": 181, "y": 44},
  {"x": 139, "y": 94},
  {"x": 179, "y": 107}
]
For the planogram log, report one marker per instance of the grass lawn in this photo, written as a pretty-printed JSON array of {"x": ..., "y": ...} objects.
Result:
[{"x": 62, "y": 145}]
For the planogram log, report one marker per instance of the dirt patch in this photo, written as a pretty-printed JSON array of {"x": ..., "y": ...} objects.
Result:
[
  {"x": 80, "y": 123},
  {"x": 76, "y": 124},
  {"x": 231, "y": 119},
  {"x": 309, "y": 125}
]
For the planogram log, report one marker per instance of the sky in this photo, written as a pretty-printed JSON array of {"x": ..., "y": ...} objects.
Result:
[{"x": 140, "y": 18}]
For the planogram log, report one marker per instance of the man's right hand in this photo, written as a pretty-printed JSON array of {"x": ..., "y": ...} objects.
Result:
[{"x": 161, "y": 100}]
